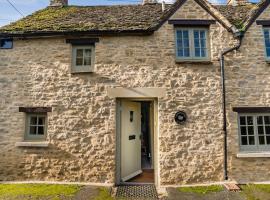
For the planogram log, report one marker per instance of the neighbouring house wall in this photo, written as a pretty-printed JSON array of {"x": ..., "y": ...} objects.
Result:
[
  {"x": 81, "y": 127},
  {"x": 248, "y": 77}
]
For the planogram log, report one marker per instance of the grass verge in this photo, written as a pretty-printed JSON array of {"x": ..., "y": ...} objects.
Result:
[
  {"x": 37, "y": 190},
  {"x": 256, "y": 192},
  {"x": 202, "y": 190}
]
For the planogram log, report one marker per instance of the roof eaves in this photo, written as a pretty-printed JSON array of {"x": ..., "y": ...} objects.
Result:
[{"x": 77, "y": 33}]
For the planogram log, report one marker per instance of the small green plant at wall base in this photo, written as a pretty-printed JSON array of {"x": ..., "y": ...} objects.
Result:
[
  {"x": 104, "y": 194},
  {"x": 202, "y": 189},
  {"x": 38, "y": 190}
]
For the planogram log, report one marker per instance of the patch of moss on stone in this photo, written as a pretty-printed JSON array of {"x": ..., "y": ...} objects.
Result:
[{"x": 202, "y": 190}]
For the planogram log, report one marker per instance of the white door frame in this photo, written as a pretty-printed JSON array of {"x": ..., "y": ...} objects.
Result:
[{"x": 118, "y": 138}]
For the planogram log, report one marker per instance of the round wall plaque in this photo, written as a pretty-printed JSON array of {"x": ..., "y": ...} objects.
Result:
[{"x": 180, "y": 117}]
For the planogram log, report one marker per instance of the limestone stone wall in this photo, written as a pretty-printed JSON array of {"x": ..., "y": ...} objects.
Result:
[
  {"x": 81, "y": 127},
  {"x": 247, "y": 85}
]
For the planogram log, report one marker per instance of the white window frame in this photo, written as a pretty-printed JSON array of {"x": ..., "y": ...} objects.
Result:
[
  {"x": 191, "y": 44},
  {"x": 30, "y": 137},
  {"x": 256, "y": 147},
  {"x": 265, "y": 52},
  {"x": 82, "y": 68}
]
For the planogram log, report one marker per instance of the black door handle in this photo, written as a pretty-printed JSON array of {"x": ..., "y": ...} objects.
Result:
[{"x": 132, "y": 137}]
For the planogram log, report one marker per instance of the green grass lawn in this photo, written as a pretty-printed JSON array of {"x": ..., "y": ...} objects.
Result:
[
  {"x": 202, "y": 189},
  {"x": 13, "y": 191},
  {"x": 256, "y": 192}
]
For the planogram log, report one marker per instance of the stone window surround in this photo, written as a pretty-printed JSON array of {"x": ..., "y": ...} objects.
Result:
[{"x": 33, "y": 143}]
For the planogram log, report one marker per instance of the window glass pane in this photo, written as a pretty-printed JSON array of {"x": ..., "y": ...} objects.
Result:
[
  {"x": 249, "y": 120},
  {"x": 261, "y": 140},
  {"x": 260, "y": 120},
  {"x": 197, "y": 52},
  {"x": 180, "y": 52},
  {"x": 244, "y": 141},
  {"x": 186, "y": 52},
  {"x": 267, "y": 130},
  {"x": 185, "y": 34},
  {"x": 6, "y": 43},
  {"x": 41, "y": 120},
  {"x": 202, "y": 34},
  {"x": 79, "y": 53},
  {"x": 40, "y": 130},
  {"x": 186, "y": 43},
  {"x": 33, "y": 120},
  {"x": 243, "y": 130},
  {"x": 203, "y": 52},
  {"x": 267, "y": 42},
  {"x": 33, "y": 130},
  {"x": 182, "y": 37},
  {"x": 268, "y": 52},
  {"x": 203, "y": 43},
  {"x": 242, "y": 120},
  {"x": 87, "y": 53},
  {"x": 251, "y": 140},
  {"x": 79, "y": 61},
  {"x": 196, "y": 34},
  {"x": 87, "y": 61},
  {"x": 266, "y": 120},
  {"x": 250, "y": 130},
  {"x": 260, "y": 130},
  {"x": 197, "y": 43},
  {"x": 267, "y": 139},
  {"x": 266, "y": 33}
]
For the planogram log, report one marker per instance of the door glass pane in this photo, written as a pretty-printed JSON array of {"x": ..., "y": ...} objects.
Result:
[
  {"x": 249, "y": 120},
  {"x": 261, "y": 140},
  {"x": 244, "y": 140},
  {"x": 251, "y": 140},
  {"x": 33, "y": 130},
  {"x": 243, "y": 130},
  {"x": 242, "y": 120}
]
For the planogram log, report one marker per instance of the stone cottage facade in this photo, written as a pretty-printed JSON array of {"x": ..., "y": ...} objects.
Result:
[{"x": 60, "y": 123}]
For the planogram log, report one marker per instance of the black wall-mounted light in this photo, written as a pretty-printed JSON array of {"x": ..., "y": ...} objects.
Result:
[{"x": 180, "y": 117}]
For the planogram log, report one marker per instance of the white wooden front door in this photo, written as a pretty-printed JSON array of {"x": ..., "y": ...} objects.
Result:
[{"x": 130, "y": 140}]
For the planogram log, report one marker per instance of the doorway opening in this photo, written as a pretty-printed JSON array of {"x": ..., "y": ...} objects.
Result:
[{"x": 137, "y": 142}]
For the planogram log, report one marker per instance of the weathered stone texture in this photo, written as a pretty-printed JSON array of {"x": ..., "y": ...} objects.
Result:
[
  {"x": 81, "y": 126},
  {"x": 248, "y": 85}
]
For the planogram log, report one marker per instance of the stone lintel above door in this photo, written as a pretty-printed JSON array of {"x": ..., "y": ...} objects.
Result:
[{"x": 136, "y": 92}]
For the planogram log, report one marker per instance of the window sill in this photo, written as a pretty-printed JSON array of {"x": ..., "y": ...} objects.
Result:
[
  {"x": 205, "y": 62},
  {"x": 253, "y": 155},
  {"x": 32, "y": 144}
]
